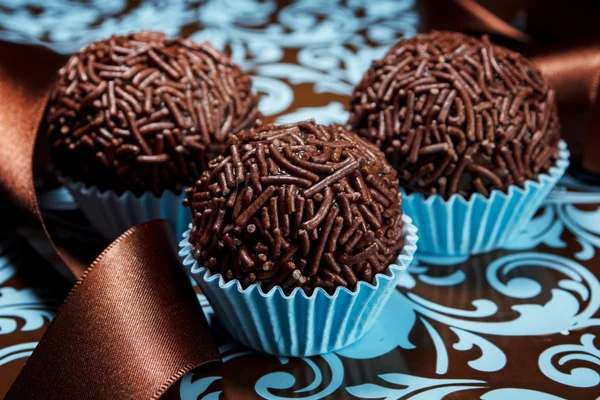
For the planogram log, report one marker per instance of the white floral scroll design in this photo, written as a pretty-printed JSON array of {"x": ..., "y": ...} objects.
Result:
[
  {"x": 403, "y": 386},
  {"x": 15, "y": 352},
  {"x": 10, "y": 259},
  {"x": 270, "y": 384},
  {"x": 573, "y": 303},
  {"x": 335, "y": 41},
  {"x": 334, "y": 44},
  {"x": 330, "y": 38},
  {"x": 560, "y": 213},
  {"x": 24, "y": 309},
  {"x": 583, "y": 377},
  {"x": 67, "y": 25},
  {"x": 32, "y": 306},
  {"x": 406, "y": 309}
]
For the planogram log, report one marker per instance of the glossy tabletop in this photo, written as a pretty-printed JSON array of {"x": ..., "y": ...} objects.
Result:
[{"x": 518, "y": 323}]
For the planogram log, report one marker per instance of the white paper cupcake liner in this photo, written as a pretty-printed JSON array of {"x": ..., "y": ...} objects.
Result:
[
  {"x": 112, "y": 214},
  {"x": 295, "y": 324},
  {"x": 458, "y": 226}
]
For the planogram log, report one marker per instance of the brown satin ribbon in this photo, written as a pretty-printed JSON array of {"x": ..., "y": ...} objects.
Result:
[
  {"x": 24, "y": 86},
  {"x": 575, "y": 74},
  {"x": 132, "y": 325},
  {"x": 469, "y": 16},
  {"x": 129, "y": 329},
  {"x": 572, "y": 68}
]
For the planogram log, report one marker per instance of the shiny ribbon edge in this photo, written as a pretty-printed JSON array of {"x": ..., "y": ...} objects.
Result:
[
  {"x": 32, "y": 97},
  {"x": 574, "y": 71},
  {"x": 592, "y": 97},
  {"x": 35, "y": 366},
  {"x": 177, "y": 375}
]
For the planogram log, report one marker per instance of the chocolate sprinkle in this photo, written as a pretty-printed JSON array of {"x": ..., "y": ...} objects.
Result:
[
  {"x": 145, "y": 113},
  {"x": 312, "y": 221},
  {"x": 455, "y": 114}
]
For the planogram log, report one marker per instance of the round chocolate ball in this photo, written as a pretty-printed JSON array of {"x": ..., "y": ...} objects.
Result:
[
  {"x": 299, "y": 205},
  {"x": 145, "y": 113},
  {"x": 455, "y": 114}
]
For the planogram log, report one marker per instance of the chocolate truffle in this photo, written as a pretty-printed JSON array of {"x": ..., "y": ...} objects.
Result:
[
  {"x": 144, "y": 113},
  {"x": 298, "y": 205},
  {"x": 455, "y": 114}
]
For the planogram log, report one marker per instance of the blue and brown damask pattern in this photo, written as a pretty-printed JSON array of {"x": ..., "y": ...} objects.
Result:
[
  {"x": 25, "y": 309},
  {"x": 455, "y": 326},
  {"x": 574, "y": 299},
  {"x": 324, "y": 45}
]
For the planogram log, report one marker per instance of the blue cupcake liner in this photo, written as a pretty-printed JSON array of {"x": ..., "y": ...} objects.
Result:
[
  {"x": 112, "y": 214},
  {"x": 458, "y": 227},
  {"x": 296, "y": 324}
]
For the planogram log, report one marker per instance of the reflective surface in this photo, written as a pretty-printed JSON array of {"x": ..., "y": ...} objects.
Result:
[{"x": 518, "y": 322}]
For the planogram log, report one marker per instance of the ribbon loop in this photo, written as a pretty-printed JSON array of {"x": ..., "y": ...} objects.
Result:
[
  {"x": 132, "y": 325},
  {"x": 129, "y": 329}
]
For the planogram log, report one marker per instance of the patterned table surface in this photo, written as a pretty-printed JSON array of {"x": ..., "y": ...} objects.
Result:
[{"x": 518, "y": 322}]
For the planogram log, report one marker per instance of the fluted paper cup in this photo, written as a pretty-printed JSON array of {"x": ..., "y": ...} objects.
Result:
[
  {"x": 460, "y": 226},
  {"x": 297, "y": 324},
  {"x": 112, "y": 214}
]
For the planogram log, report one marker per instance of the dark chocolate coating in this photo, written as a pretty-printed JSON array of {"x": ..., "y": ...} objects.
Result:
[
  {"x": 455, "y": 114},
  {"x": 144, "y": 113},
  {"x": 297, "y": 205}
]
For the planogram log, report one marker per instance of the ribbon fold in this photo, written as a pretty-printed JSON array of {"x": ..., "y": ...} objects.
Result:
[
  {"x": 571, "y": 65},
  {"x": 129, "y": 329},
  {"x": 132, "y": 324}
]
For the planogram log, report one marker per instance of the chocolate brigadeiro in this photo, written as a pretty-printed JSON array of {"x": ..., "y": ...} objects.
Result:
[
  {"x": 455, "y": 114},
  {"x": 145, "y": 113},
  {"x": 297, "y": 205}
]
